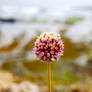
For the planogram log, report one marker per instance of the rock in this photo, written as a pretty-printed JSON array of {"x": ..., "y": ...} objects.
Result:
[
  {"x": 6, "y": 78},
  {"x": 24, "y": 86},
  {"x": 8, "y": 84}
]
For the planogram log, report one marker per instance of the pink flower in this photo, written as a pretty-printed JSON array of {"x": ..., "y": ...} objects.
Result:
[{"x": 49, "y": 47}]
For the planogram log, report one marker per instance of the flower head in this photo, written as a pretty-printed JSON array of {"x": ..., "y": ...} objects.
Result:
[{"x": 48, "y": 47}]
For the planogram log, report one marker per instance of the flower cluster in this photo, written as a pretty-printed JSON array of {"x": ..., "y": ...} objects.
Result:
[{"x": 48, "y": 47}]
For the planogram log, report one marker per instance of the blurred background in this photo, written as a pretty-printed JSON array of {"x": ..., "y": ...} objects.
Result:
[{"x": 22, "y": 21}]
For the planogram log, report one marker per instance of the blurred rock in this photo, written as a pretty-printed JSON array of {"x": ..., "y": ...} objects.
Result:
[
  {"x": 8, "y": 84},
  {"x": 6, "y": 78},
  {"x": 24, "y": 86}
]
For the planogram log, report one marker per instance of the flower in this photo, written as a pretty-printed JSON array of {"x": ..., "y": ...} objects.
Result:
[{"x": 49, "y": 47}]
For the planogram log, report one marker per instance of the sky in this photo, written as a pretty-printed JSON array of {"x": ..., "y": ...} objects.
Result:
[
  {"x": 50, "y": 4},
  {"x": 13, "y": 7}
]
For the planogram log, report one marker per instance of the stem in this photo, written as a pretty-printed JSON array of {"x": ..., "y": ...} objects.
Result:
[{"x": 49, "y": 78}]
